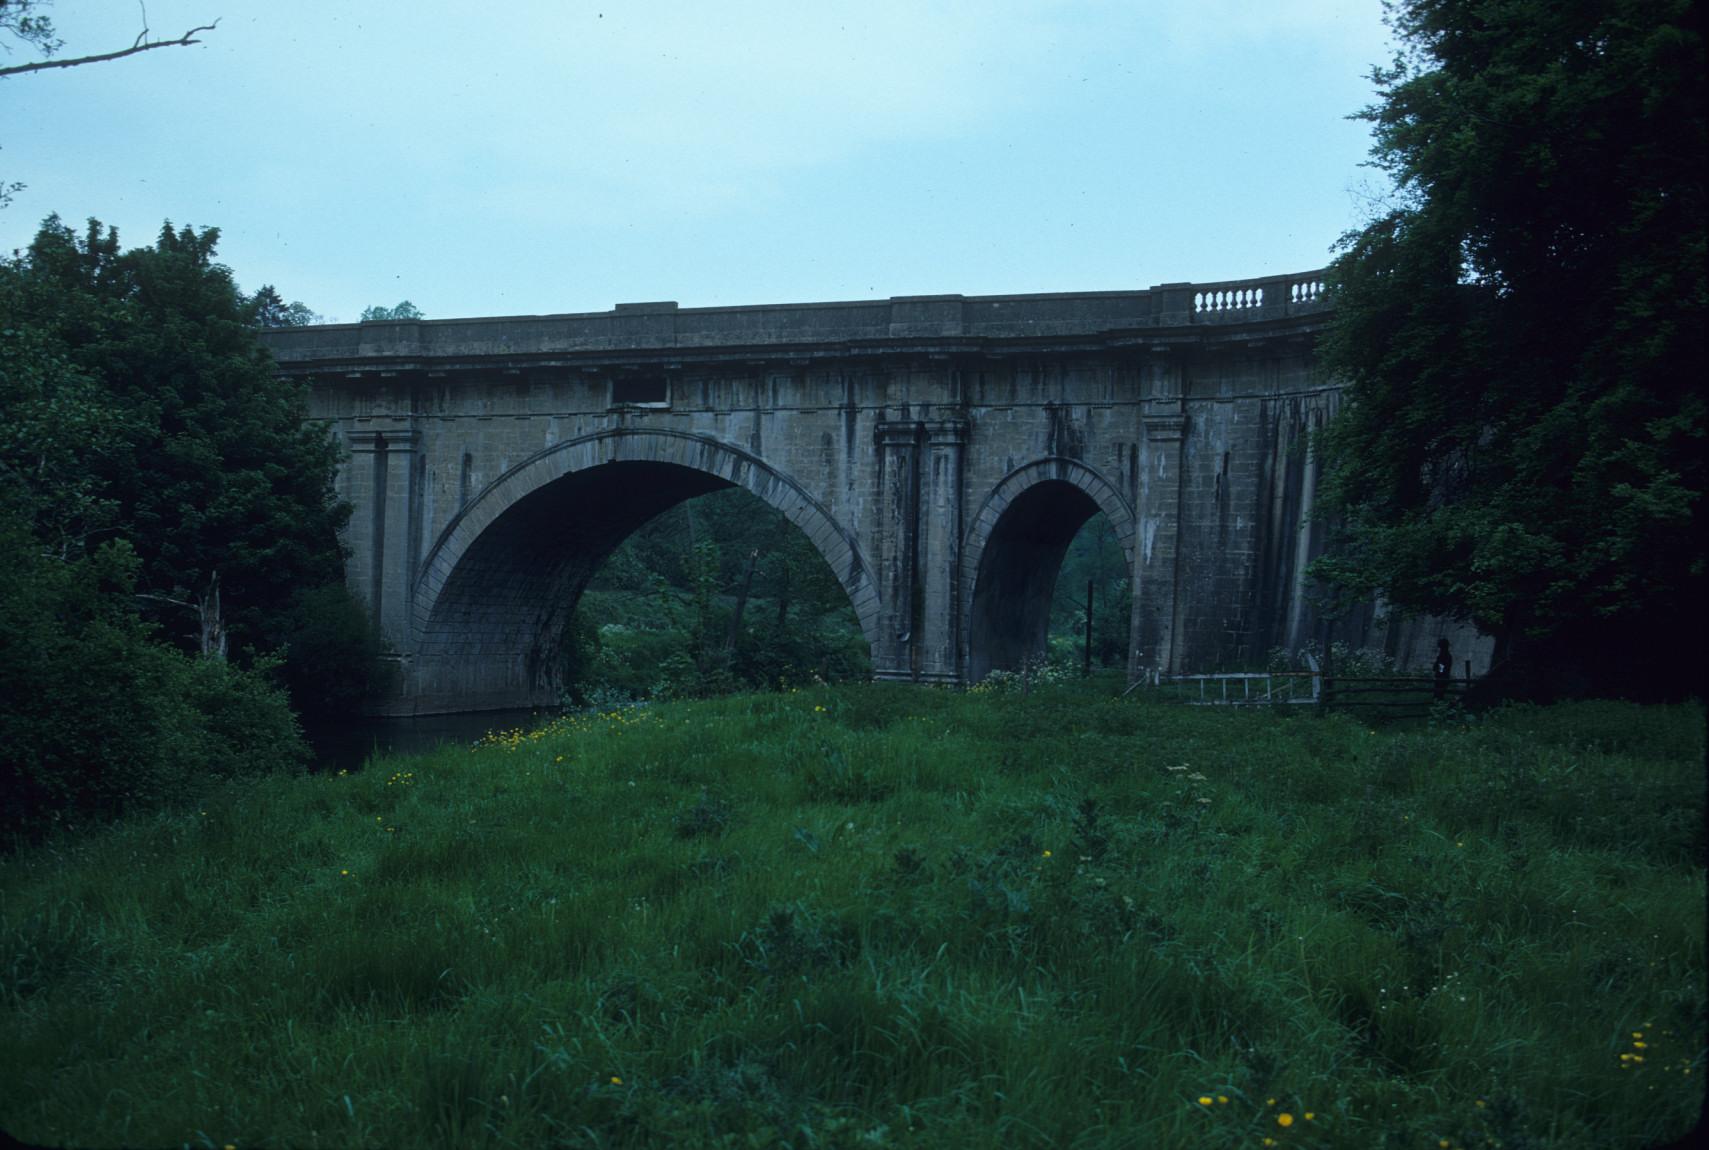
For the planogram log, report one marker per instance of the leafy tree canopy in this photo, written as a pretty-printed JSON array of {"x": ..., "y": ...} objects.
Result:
[
  {"x": 403, "y": 310},
  {"x": 271, "y": 310},
  {"x": 140, "y": 405},
  {"x": 26, "y": 22},
  {"x": 156, "y": 481},
  {"x": 1521, "y": 335}
]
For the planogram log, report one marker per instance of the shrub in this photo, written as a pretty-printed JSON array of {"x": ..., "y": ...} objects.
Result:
[
  {"x": 244, "y": 723},
  {"x": 334, "y": 658},
  {"x": 96, "y": 717}
]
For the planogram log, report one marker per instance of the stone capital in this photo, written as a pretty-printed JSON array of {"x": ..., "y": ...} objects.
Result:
[
  {"x": 951, "y": 432},
  {"x": 373, "y": 439},
  {"x": 1165, "y": 428},
  {"x": 898, "y": 433}
]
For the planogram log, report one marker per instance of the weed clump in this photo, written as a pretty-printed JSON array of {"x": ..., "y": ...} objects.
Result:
[{"x": 708, "y": 816}]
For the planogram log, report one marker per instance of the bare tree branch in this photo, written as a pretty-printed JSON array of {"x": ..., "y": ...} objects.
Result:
[{"x": 141, "y": 45}]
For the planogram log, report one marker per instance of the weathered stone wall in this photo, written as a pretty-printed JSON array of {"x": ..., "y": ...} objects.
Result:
[{"x": 940, "y": 452}]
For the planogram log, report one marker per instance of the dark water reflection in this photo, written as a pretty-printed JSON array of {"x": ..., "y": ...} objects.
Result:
[{"x": 348, "y": 744}]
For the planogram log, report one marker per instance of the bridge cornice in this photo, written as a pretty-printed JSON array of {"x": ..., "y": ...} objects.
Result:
[{"x": 903, "y": 327}]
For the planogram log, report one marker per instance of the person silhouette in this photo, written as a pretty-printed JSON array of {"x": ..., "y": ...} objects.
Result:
[{"x": 1444, "y": 668}]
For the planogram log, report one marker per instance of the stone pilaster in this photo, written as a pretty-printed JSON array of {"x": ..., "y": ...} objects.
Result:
[
  {"x": 385, "y": 506},
  {"x": 940, "y": 551},
  {"x": 1156, "y": 552},
  {"x": 896, "y": 655}
]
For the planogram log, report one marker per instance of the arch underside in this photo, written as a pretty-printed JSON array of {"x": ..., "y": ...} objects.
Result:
[
  {"x": 514, "y": 589},
  {"x": 1014, "y": 555},
  {"x": 1017, "y": 576},
  {"x": 499, "y": 588}
]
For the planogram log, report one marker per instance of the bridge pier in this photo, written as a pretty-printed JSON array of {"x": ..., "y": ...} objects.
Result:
[
  {"x": 1157, "y": 602},
  {"x": 896, "y": 650},
  {"x": 940, "y": 553},
  {"x": 382, "y": 484}
]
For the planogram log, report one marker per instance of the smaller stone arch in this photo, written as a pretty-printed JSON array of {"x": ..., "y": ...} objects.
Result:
[{"x": 1069, "y": 492}]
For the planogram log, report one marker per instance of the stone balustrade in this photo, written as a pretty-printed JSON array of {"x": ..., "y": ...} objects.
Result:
[{"x": 911, "y": 321}]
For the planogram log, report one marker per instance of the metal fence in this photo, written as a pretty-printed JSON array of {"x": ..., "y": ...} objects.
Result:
[
  {"x": 1398, "y": 695},
  {"x": 1237, "y": 688}
]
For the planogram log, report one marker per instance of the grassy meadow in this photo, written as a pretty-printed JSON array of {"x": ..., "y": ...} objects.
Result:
[{"x": 877, "y": 915}]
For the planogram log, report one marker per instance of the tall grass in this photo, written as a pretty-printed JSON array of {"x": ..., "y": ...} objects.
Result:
[{"x": 882, "y": 916}]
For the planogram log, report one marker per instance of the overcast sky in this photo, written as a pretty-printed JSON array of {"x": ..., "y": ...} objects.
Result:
[{"x": 566, "y": 156}]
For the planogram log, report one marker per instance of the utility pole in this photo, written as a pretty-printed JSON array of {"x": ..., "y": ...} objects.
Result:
[{"x": 1086, "y": 665}]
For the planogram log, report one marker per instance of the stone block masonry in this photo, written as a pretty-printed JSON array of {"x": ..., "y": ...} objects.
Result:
[{"x": 940, "y": 452}]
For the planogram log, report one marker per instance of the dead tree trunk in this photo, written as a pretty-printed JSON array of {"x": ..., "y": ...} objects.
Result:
[
  {"x": 212, "y": 620},
  {"x": 741, "y": 601}
]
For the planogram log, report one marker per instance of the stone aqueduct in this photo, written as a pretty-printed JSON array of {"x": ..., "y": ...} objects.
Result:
[{"x": 940, "y": 452}]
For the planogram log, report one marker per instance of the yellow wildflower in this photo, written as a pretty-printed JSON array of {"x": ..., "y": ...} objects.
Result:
[
  {"x": 1284, "y": 1119},
  {"x": 1223, "y": 1099},
  {"x": 616, "y": 1081},
  {"x": 1204, "y": 1100}
]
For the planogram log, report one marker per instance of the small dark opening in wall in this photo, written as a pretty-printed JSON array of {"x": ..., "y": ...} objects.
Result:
[{"x": 631, "y": 391}]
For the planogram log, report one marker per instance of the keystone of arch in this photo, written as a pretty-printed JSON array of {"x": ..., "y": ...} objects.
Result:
[{"x": 834, "y": 542}]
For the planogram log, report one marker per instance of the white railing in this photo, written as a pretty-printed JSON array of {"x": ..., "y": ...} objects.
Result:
[
  {"x": 1270, "y": 294},
  {"x": 1239, "y": 688}
]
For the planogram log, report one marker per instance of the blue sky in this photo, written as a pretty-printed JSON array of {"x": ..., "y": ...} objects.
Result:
[{"x": 560, "y": 157}]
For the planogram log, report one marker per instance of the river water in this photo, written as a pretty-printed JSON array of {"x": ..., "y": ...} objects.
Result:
[{"x": 348, "y": 745}]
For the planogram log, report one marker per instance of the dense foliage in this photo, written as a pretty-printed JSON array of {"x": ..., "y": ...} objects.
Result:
[
  {"x": 202, "y": 460},
  {"x": 719, "y": 593},
  {"x": 1522, "y": 335},
  {"x": 97, "y": 717},
  {"x": 403, "y": 309},
  {"x": 1094, "y": 556},
  {"x": 877, "y": 915},
  {"x": 157, "y": 486},
  {"x": 723, "y": 593}
]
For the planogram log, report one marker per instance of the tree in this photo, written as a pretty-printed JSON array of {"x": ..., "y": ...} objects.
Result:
[
  {"x": 271, "y": 310},
  {"x": 403, "y": 310},
  {"x": 184, "y": 441},
  {"x": 1521, "y": 338},
  {"x": 23, "y": 21}
]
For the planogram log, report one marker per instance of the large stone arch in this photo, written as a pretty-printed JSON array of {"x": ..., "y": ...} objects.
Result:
[
  {"x": 1013, "y": 551},
  {"x": 508, "y": 567}
]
